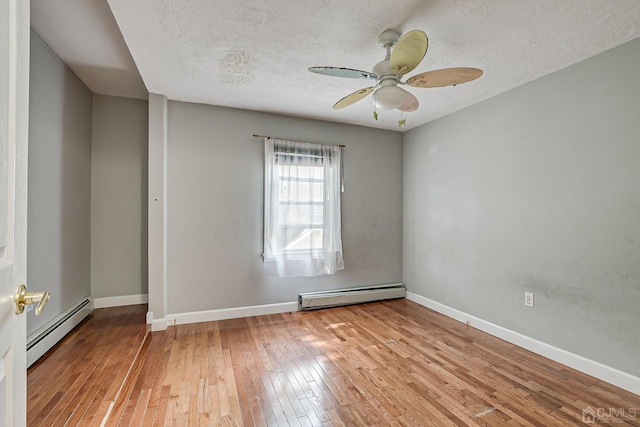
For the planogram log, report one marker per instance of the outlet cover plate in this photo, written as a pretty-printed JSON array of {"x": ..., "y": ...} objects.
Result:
[{"x": 528, "y": 299}]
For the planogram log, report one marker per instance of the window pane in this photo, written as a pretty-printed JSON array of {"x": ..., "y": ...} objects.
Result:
[
  {"x": 301, "y": 191},
  {"x": 300, "y": 207},
  {"x": 309, "y": 238},
  {"x": 300, "y": 215},
  {"x": 301, "y": 172}
]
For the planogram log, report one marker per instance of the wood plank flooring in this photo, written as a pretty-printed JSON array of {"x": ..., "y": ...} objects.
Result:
[
  {"x": 77, "y": 381},
  {"x": 393, "y": 363}
]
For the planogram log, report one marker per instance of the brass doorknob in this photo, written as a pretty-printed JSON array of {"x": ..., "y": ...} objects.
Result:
[{"x": 23, "y": 298}]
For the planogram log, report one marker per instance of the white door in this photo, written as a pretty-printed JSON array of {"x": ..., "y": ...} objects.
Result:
[{"x": 14, "y": 127}]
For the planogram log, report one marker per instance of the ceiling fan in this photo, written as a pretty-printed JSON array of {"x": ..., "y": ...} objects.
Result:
[{"x": 408, "y": 51}]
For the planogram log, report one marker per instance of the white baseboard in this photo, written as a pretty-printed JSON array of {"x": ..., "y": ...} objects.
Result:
[
  {"x": 120, "y": 301},
  {"x": 596, "y": 369},
  {"x": 230, "y": 313},
  {"x": 156, "y": 324},
  {"x": 159, "y": 324}
]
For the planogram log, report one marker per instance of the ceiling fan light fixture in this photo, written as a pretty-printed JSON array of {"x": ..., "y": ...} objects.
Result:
[{"x": 388, "y": 97}]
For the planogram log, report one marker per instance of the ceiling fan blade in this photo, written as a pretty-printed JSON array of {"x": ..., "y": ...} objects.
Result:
[
  {"x": 408, "y": 52},
  {"x": 445, "y": 77},
  {"x": 410, "y": 103},
  {"x": 343, "y": 72},
  {"x": 352, "y": 98}
]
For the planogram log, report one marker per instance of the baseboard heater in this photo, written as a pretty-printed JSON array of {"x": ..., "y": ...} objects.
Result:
[
  {"x": 334, "y": 298},
  {"x": 46, "y": 337}
]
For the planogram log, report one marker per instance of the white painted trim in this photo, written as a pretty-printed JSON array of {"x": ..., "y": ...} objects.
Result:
[
  {"x": 157, "y": 204},
  {"x": 156, "y": 324},
  {"x": 159, "y": 324},
  {"x": 120, "y": 301},
  {"x": 590, "y": 367},
  {"x": 230, "y": 313}
]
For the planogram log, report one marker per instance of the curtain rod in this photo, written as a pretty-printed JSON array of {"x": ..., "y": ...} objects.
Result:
[{"x": 255, "y": 135}]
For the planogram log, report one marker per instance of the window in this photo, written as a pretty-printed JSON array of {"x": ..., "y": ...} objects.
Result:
[{"x": 302, "y": 208}]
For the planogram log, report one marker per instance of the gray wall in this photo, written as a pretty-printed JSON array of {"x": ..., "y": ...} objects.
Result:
[
  {"x": 58, "y": 252},
  {"x": 537, "y": 189},
  {"x": 119, "y": 197},
  {"x": 215, "y": 209}
]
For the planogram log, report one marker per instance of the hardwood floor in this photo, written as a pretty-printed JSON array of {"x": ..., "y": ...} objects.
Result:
[
  {"x": 393, "y": 363},
  {"x": 77, "y": 381}
]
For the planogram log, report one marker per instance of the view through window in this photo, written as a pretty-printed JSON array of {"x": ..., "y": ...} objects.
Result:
[{"x": 302, "y": 208}]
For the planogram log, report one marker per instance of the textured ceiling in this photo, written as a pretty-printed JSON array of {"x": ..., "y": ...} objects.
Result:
[{"x": 254, "y": 54}]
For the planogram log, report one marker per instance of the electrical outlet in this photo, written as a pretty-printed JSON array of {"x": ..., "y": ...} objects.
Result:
[{"x": 528, "y": 299}]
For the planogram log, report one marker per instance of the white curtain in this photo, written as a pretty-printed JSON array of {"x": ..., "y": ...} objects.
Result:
[{"x": 302, "y": 229}]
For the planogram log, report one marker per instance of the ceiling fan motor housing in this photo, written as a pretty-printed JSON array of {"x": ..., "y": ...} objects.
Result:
[
  {"x": 388, "y": 38},
  {"x": 382, "y": 69}
]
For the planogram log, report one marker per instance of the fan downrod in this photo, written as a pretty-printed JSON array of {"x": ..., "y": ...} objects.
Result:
[{"x": 388, "y": 38}]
